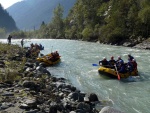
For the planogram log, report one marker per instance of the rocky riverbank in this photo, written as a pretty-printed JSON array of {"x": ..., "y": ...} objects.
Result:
[
  {"x": 143, "y": 45},
  {"x": 139, "y": 44},
  {"x": 26, "y": 86}
]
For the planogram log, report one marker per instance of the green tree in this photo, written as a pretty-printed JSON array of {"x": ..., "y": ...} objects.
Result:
[
  {"x": 57, "y": 22},
  {"x": 132, "y": 20},
  {"x": 144, "y": 16},
  {"x": 87, "y": 33}
]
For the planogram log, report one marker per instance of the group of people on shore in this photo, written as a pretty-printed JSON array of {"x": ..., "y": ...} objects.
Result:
[
  {"x": 9, "y": 40},
  {"x": 37, "y": 46},
  {"x": 120, "y": 65},
  {"x": 22, "y": 43},
  {"x": 33, "y": 50}
]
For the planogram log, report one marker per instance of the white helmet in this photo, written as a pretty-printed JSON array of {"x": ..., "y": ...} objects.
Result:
[
  {"x": 119, "y": 57},
  {"x": 104, "y": 58}
]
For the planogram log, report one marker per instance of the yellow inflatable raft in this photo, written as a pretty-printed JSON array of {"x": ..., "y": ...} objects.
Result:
[
  {"x": 49, "y": 59},
  {"x": 113, "y": 73}
]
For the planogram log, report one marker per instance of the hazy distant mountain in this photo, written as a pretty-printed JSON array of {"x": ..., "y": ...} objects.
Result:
[
  {"x": 6, "y": 21},
  {"x": 29, "y": 14}
]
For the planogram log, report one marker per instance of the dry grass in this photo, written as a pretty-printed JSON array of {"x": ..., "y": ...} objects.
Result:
[
  {"x": 5, "y": 48},
  {"x": 10, "y": 71}
]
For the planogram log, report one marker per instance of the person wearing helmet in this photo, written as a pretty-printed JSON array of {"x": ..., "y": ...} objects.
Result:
[
  {"x": 129, "y": 65},
  {"x": 121, "y": 67},
  {"x": 119, "y": 61},
  {"x": 130, "y": 57},
  {"x": 134, "y": 63},
  {"x": 119, "y": 58},
  {"x": 112, "y": 62},
  {"x": 104, "y": 62}
]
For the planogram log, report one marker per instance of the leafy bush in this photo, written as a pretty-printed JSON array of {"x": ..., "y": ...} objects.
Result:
[
  {"x": 87, "y": 33},
  {"x": 115, "y": 36},
  {"x": 71, "y": 33}
]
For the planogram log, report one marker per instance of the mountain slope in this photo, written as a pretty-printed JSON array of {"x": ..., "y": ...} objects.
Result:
[
  {"x": 6, "y": 21},
  {"x": 29, "y": 14}
]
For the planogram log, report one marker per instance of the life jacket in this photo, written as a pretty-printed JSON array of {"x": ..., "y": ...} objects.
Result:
[
  {"x": 130, "y": 66},
  {"x": 134, "y": 65},
  {"x": 122, "y": 69},
  {"x": 112, "y": 62}
]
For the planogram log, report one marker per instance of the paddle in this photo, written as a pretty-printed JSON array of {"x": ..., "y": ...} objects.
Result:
[
  {"x": 95, "y": 64},
  {"x": 51, "y": 49},
  {"x": 117, "y": 72}
]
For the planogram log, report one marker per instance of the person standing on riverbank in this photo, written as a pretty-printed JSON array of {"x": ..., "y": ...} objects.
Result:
[
  {"x": 22, "y": 42},
  {"x": 9, "y": 39}
]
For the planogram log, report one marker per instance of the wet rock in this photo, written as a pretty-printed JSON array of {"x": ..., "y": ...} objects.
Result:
[
  {"x": 28, "y": 69},
  {"x": 144, "y": 44},
  {"x": 28, "y": 64},
  {"x": 28, "y": 84},
  {"x": 2, "y": 65},
  {"x": 28, "y": 104},
  {"x": 86, "y": 99},
  {"x": 43, "y": 70},
  {"x": 127, "y": 44},
  {"x": 33, "y": 111},
  {"x": 80, "y": 111},
  {"x": 4, "y": 107},
  {"x": 108, "y": 109},
  {"x": 31, "y": 102},
  {"x": 24, "y": 106},
  {"x": 93, "y": 97},
  {"x": 84, "y": 106},
  {"x": 53, "y": 107},
  {"x": 8, "y": 94},
  {"x": 2, "y": 85},
  {"x": 74, "y": 96},
  {"x": 72, "y": 112}
]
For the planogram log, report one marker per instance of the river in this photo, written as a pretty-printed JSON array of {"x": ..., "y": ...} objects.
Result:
[{"x": 77, "y": 57}]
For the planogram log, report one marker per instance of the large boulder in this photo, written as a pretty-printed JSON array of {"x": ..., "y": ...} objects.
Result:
[{"x": 93, "y": 97}]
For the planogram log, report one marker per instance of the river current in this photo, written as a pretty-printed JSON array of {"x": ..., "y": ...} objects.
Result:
[{"x": 77, "y": 57}]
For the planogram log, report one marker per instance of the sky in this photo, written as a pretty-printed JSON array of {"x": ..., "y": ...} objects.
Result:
[{"x": 7, "y": 3}]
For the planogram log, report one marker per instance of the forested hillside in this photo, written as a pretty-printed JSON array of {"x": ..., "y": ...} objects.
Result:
[
  {"x": 29, "y": 14},
  {"x": 106, "y": 21},
  {"x": 7, "y": 24},
  {"x": 110, "y": 21}
]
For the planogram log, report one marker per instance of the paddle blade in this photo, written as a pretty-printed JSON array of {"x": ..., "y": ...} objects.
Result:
[
  {"x": 118, "y": 77},
  {"x": 95, "y": 64}
]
